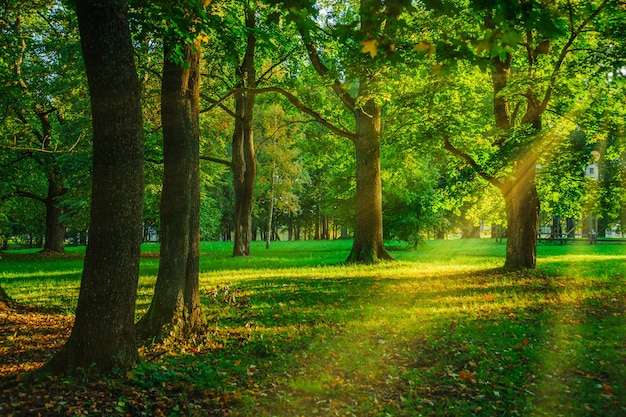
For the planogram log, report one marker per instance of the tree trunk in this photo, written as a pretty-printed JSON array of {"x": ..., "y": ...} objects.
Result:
[
  {"x": 244, "y": 176},
  {"x": 192, "y": 310},
  {"x": 55, "y": 229},
  {"x": 555, "y": 229},
  {"x": 270, "y": 214},
  {"x": 368, "y": 245},
  {"x": 571, "y": 228},
  {"x": 180, "y": 199},
  {"x": 103, "y": 336},
  {"x": 522, "y": 212},
  {"x": 244, "y": 158},
  {"x": 6, "y": 302}
]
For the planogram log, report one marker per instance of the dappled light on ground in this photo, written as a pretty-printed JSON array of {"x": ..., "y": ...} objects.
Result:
[{"x": 443, "y": 331}]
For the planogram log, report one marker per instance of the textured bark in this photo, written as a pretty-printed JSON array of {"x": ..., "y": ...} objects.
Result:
[
  {"x": 522, "y": 212},
  {"x": 244, "y": 157},
  {"x": 180, "y": 200},
  {"x": 103, "y": 336},
  {"x": 519, "y": 190},
  {"x": 368, "y": 245},
  {"x": 192, "y": 309},
  {"x": 6, "y": 302}
]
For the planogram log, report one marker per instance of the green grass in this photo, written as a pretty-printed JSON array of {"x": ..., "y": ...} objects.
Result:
[{"x": 442, "y": 331}]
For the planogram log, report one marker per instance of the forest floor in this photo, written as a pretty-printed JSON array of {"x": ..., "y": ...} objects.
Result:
[{"x": 440, "y": 332}]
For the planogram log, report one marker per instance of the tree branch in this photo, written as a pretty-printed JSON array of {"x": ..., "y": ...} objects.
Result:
[
  {"x": 470, "y": 161},
  {"x": 305, "y": 109},
  {"x": 563, "y": 54},
  {"x": 261, "y": 79},
  {"x": 218, "y": 161},
  {"x": 322, "y": 70},
  {"x": 218, "y": 103}
]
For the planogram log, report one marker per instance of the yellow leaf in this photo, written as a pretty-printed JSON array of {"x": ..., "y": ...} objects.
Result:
[
  {"x": 370, "y": 46},
  {"x": 426, "y": 47}
]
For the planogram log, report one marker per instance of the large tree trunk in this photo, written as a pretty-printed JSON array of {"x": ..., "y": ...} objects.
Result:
[
  {"x": 244, "y": 157},
  {"x": 6, "y": 302},
  {"x": 180, "y": 197},
  {"x": 368, "y": 245},
  {"x": 522, "y": 212},
  {"x": 192, "y": 311},
  {"x": 192, "y": 308},
  {"x": 103, "y": 336}
]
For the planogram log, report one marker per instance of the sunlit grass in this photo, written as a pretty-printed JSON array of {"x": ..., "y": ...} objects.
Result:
[{"x": 441, "y": 331}]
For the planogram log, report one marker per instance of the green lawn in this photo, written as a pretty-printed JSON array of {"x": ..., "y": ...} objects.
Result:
[{"x": 440, "y": 332}]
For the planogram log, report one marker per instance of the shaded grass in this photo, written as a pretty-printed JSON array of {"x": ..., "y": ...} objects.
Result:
[{"x": 441, "y": 331}]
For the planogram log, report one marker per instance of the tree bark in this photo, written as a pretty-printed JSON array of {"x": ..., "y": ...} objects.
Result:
[
  {"x": 192, "y": 310},
  {"x": 244, "y": 158},
  {"x": 522, "y": 212},
  {"x": 519, "y": 191},
  {"x": 180, "y": 232},
  {"x": 6, "y": 302},
  {"x": 103, "y": 336},
  {"x": 368, "y": 245},
  {"x": 55, "y": 228}
]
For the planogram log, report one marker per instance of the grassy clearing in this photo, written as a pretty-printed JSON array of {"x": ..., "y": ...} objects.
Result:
[{"x": 441, "y": 331}]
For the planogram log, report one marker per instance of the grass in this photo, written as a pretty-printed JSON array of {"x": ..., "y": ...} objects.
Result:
[{"x": 442, "y": 331}]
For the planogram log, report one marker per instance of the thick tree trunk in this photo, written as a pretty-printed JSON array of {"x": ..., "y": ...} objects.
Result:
[
  {"x": 6, "y": 302},
  {"x": 192, "y": 311},
  {"x": 522, "y": 212},
  {"x": 368, "y": 245},
  {"x": 103, "y": 336},
  {"x": 180, "y": 232}
]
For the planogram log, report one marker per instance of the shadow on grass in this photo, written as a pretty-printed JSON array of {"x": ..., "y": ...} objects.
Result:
[{"x": 399, "y": 339}]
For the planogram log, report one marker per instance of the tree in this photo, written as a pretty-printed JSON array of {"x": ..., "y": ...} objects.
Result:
[
  {"x": 38, "y": 120},
  {"x": 355, "y": 86},
  {"x": 103, "y": 335},
  {"x": 526, "y": 51},
  {"x": 281, "y": 174},
  {"x": 176, "y": 290}
]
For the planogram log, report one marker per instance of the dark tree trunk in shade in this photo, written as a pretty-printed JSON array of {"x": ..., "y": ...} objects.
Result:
[
  {"x": 177, "y": 280},
  {"x": 55, "y": 228},
  {"x": 103, "y": 336},
  {"x": 6, "y": 302}
]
